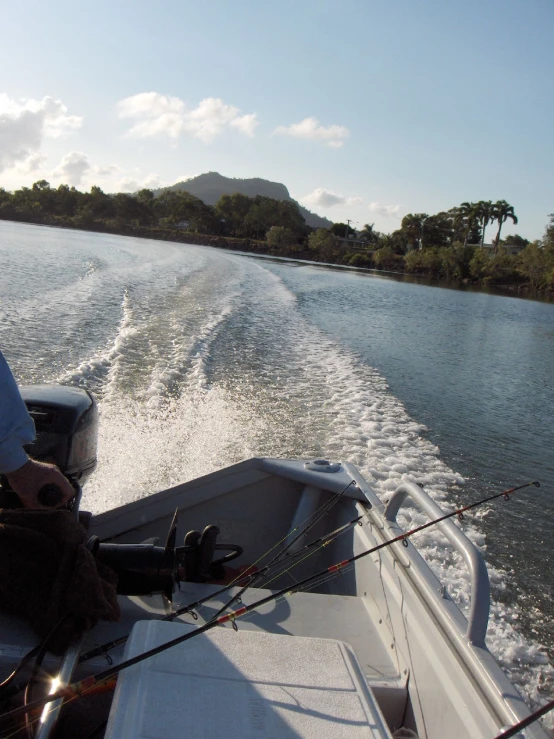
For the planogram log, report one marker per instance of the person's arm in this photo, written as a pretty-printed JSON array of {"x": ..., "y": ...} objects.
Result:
[{"x": 26, "y": 476}]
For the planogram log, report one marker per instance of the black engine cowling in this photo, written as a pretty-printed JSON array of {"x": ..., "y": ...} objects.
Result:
[{"x": 66, "y": 423}]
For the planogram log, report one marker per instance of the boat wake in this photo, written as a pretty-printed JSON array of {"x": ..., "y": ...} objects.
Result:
[{"x": 227, "y": 368}]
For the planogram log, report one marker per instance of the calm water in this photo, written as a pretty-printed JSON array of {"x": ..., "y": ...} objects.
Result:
[{"x": 201, "y": 358}]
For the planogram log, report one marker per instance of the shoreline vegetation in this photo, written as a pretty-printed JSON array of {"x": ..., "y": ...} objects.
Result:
[{"x": 448, "y": 247}]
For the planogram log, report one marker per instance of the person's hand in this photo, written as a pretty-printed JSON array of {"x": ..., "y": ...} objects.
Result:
[{"x": 29, "y": 479}]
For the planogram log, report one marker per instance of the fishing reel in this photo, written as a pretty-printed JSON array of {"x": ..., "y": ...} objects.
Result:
[{"x": 147, "y": 569}]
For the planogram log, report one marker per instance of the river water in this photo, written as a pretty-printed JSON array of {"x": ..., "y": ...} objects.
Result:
[{"x": 201, "y": 358}]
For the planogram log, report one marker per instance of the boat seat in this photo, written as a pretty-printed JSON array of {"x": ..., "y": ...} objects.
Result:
[
  {"x": 317, "y": 615},
  {"x": 248, "y": 684}
]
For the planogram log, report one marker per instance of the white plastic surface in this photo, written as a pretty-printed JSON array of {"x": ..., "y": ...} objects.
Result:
[{"x": 244, "y": 684}]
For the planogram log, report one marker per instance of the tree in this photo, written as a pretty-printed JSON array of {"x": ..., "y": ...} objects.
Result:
[
  {"x": 437, "y": 230},
  {"x": 468, "y": 215},
  {"x": 412, "y": 229},
  {"x": 279, "y": 237},
  {"x": 548, "y": 239},
  {"x": 533, "y": 264},
  {"x": 145, "y": 196},
  {"x": 385, "y": 258},
  {"x": 255, "y": 220},
  {"x": 41, "y": 185},
  {"x": 98, "y": 203},
  {"x": 424, "y": 231},
  {"x": 342, "y": 230},
  {"x": 323, "y": 243},
  {"x": 127, "y": 207},
  {"x": 501, "y": 211},
  {"x": 368, "y": 234},
  {"x": 67, "y": 201},
  {"x": 361, "y": 260},
  {"x": 479, "y": 264},
  {"x": 516, "y": 240},
  {"x": 173, "y": 206},
  {"x": 233, "y": 209},
  {"x": 483, "y": 212},
  {"x": 244, "y": 216}
]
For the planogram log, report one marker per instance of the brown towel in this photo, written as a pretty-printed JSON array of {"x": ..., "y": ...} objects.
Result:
[{"x": 46, "y": 573}]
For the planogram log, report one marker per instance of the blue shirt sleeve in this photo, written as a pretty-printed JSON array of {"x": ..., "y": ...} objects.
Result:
[{"x": 16, "y": 425}]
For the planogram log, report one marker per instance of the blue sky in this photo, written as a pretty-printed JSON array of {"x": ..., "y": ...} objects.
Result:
[{"x": 365, "y": 109}]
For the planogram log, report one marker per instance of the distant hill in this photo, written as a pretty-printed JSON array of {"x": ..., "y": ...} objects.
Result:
[{"x": 211, "y": 186}]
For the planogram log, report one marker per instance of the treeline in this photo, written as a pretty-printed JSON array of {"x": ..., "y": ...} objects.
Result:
[
  {"x": 447, "y": 245},
  {"x": 450, "y": 246},
  {"x": 233, "y": 215},
  {"x": 533, "y": 267}
]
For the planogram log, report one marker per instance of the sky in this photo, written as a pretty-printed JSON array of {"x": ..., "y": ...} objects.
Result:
[{"x": 365, "y": 109}]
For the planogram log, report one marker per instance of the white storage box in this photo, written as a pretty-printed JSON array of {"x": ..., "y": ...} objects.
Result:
[{"x": 242, "y": 684}]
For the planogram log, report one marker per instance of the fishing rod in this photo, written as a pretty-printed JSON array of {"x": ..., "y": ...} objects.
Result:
[
  {"x": 535, "y": 716},
  {"x": 245, "y": 576},
  {"x": 317, "y": 516},
  {"x": 81, "y": 687}
]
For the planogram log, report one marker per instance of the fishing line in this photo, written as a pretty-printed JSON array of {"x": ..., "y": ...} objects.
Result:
[
  {"x": 83, "y": 686},
  {"x": 320, "y": 511},
  {"x": 323, "y": 541},
  {"x": 319, "y": 514},
  {"x": 326, "y": 540}
]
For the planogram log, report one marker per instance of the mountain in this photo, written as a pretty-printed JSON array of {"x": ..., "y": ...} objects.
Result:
[{"x": 211, "y": 186}]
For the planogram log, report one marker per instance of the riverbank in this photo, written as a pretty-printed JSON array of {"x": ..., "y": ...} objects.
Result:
[{"x": 294, "y": 252}]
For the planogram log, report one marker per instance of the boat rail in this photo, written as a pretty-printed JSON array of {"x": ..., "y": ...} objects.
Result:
[{"x": 480, "y": 586}]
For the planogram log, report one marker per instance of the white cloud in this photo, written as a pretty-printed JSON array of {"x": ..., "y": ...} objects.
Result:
[
  {"x": 33, "y": 163},
  {"x": 311, "y": 130},
  {"x": 128, "y": 184},
  {"x": 327, "y": 199},
  {"x": 107, "y": 171},
  {"x": 246, "y": 123},
  {"x": 25, "y": 123},
  {"x": 152, "y": 181},
  {"x": 388, "y": 211},
  {"x": 132, "y": 184},
  {"x": 72, "y": 168},
  {"x": 158, "y": 114}
]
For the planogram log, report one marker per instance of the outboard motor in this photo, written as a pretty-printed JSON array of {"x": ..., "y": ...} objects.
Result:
[{"x": 66, "y": 423}]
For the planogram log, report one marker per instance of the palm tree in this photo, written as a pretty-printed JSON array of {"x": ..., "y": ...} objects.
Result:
[
  {"x": 369, "y": 234},
  {"x": 501, "y": 211},
  {"x": 469, "y": 216},
  {"x": 483, "y": 213}
]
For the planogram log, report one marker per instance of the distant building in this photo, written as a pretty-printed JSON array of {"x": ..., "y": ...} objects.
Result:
[
  {"x": 354, "y": 243},
  {"x": 511, "y": 249}
]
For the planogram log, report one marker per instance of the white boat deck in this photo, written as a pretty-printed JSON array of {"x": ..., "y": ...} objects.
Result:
[
  {"x": 323, "y": 616},
  {"x": 340, "y": 617}
]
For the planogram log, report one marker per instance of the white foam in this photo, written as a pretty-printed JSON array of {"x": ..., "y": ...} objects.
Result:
[
  {"x": 100, "y": 371},
  {"x": 144, "y": 449}
]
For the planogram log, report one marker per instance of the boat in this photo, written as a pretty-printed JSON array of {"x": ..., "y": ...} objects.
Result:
[{"x": 371, "y": 648}]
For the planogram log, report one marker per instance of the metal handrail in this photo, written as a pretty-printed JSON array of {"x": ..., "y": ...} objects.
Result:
[
  {"x": 480, "y": 586},
  {"x": 51, "y": 711}
]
